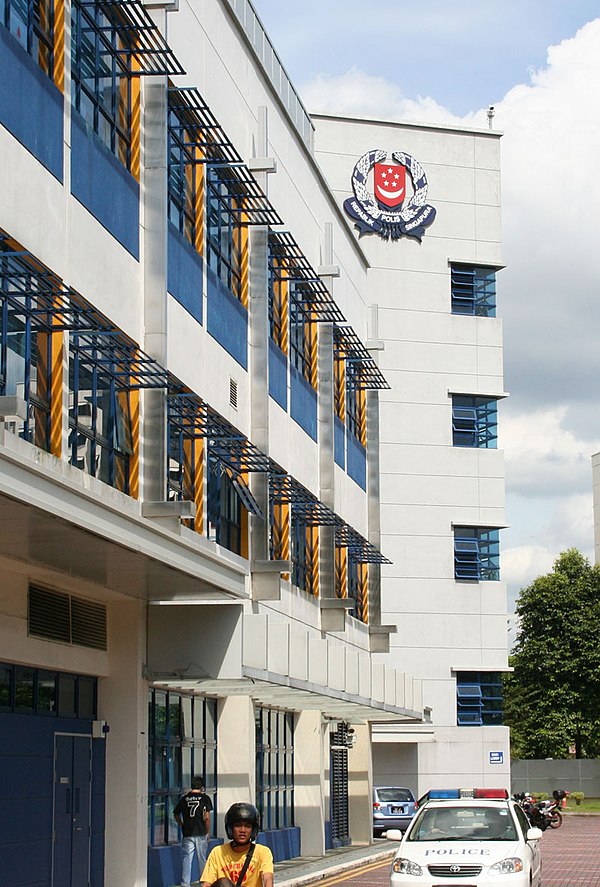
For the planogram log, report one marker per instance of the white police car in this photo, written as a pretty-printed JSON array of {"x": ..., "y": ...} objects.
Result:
[{"x": 467, "y": 838}]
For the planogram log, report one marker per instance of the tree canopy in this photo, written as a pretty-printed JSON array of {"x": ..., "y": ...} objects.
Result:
[{"x": 552, "y": 699}]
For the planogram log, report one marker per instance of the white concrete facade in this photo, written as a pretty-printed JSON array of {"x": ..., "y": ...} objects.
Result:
[{"x": 428, "y": 486}]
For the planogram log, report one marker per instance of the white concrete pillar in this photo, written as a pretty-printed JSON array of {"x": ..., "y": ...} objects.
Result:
[
  {"x": 309, "y": 776},
  {"x": 236, "y": 755},
  {"x": 123, "y": 703},
  {"x": 360, "y": 786}
]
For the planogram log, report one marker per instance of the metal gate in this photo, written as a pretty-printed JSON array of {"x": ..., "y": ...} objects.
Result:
[{"x": 338, "y": 786}]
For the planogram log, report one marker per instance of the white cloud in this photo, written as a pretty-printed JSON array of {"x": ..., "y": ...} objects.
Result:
[
  {"x": 356, "y": 93},
  {"x": 543, "y": 457}
]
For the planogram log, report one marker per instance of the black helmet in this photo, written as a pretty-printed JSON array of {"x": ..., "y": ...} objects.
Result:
[{"x": 242, "y": 813}]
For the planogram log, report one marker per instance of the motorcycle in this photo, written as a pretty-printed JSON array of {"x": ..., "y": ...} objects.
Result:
[{"x": 541, "y": 814}]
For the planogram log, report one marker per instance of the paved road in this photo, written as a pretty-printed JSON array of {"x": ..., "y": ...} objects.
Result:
[{"x": 570, "y": 855}]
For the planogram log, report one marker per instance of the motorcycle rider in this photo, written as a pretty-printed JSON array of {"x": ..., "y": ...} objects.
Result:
[{"x": 242, "y": 861}]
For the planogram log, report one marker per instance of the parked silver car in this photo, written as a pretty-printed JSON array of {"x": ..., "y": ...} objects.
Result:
[{"x": 393, "y": 807}]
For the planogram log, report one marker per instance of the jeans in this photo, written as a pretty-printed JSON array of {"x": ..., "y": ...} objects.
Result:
[{"x": 188, "y": 845}]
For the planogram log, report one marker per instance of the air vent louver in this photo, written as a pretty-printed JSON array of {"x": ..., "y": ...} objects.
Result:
[{"x": 71, "y": 620}]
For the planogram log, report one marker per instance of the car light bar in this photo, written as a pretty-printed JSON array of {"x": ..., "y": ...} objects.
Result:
[{"x": 454, "y": 794}]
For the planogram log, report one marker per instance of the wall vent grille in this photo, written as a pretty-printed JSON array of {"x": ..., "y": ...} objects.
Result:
[
  {"x": 63, "y": 617},
  {"x": 233, "y": 393}
]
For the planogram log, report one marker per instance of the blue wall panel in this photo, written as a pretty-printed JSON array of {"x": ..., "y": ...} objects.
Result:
[
  {"x": 227, "y": 319},
  {"x": 339, "y": 442},
  {"x": 31, "y": 106},
  {"x": 278, "y": 375},
  {"x": 164, "y": 864},
  {"x": 184, "y": 274},
  {"x": 357, "y": 462},
  {"x": 26, "y": 776},
  {"x": 283, "y": 842},
  {"x": 303, "y": 399},
  {"x": 103, "y": 185}
]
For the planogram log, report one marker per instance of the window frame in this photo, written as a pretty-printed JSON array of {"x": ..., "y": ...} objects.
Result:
[
  {"x": 224, "y": 251},
  {"x": 476, "y": 554},
  {"x": 477, "y": 705},
  {"x": 275, "y": 788},
  {"x": 474, "y": 421},
  {"x": 167, "y": 754},
  {"x": 112, "y": 120},
  {"x": 39, "y": 41},
  {"x": 473, "y": 290}
]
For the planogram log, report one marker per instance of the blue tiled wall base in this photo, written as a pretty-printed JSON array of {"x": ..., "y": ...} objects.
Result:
[
  {"x": 303, "y": 403},
  {"x": 26, "y": 773},
  {"x": 31, "y": 106},
  {"x": 284, "y": 842},
  {"x": 328, "y": 838},
  {"x": 357, "y": 462},
  {"x": 184, "y": 273},
  {"x": 103, "y": 185},
  {"x": 278, "y": 375},
  {"x": 164, "y": 864},
  {"x": 227, "y": 319},
  {"x": 339, "y": 442}
]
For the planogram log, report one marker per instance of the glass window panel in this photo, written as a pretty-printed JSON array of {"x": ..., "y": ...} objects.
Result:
[
  {"x": 6, "y": 674},
  {"x": 172, "y": 828},
  {"x": 24, "y": 683},
  {"x": 160, "y": 817},
  {"x": 86, "y": 702},
  {"x": 174, "y": 717},
  {"x": 161, "y": 771},
  {"x": 160, "y": 714},
  {"x": 186, "y": 766},
  {"x": 187, "y": 727},
  {"x": 198, "y": 718},
  {"x": 46, "y": 692},
  {"x": 66, "y": 696}
]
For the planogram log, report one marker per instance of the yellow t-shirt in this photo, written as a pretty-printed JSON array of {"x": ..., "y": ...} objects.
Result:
[{"x": 226, "y": 862}]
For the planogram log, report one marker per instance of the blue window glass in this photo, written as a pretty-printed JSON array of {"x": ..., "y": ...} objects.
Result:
[
  {"x": 474, "y": 421},
  {"x": 301, "y": 337},
  {"x": 224, "y": 253},
  {"x": 473, "y": 290},
  {"x": 181, "y": 179},
  {"x": 31, "y": 22},
  {"x": 101, "y": 78},
  {"x": 41, "y": 692},
  {"x": 275, "y": 767},
  {"x": 353, "y": 587},
  {"x": 182, "y": 733},
  {"x": 476, "y": 554},
  {"x": 479, "y": 699},
  {"x": 100, "y": 423},
  {"x": 224, "y": 508},
  {"x": 24, "y": 349}
]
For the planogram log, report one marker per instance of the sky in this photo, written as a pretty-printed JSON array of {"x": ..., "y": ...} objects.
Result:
[{"x": 538, "y": 63}]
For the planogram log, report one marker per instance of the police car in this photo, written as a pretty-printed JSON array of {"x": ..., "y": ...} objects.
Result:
[{"x": 467, "y": 838}]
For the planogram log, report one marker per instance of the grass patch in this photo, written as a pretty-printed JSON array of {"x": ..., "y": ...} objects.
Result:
[{"x": 588, "y": 805}]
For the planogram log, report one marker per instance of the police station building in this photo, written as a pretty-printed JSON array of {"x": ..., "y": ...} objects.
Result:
[{"x": 250, "y": 486}]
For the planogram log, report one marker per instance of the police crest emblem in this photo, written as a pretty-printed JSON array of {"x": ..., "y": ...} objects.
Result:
[{"x": 394, "y": 205}]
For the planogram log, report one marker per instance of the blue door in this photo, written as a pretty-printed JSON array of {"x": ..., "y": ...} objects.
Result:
[{"x": 72, "y": 795}]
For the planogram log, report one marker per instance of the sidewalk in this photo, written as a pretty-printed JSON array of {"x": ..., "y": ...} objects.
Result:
[{"x": 309, "y": 869}]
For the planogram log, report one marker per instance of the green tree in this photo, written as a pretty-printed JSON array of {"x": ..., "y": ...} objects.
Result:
[{"x": 552, "y": 699}]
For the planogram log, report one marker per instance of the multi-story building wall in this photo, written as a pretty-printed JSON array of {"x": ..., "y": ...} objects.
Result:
[
  {"x": 432, "y": 294},
  {"x": 188, "y": 582},
  {"x": 190, "y": 475}
]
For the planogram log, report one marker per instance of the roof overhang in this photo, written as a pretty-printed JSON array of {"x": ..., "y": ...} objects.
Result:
[{"x": 282, "y": 691}]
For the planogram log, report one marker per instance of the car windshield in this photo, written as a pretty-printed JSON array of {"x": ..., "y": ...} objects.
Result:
[
  {"x": 387, "y": 795},
  {"x": 463, "y": 824}
]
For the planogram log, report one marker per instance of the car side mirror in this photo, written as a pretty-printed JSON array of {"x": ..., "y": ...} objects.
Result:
[
  {"x": 394, "y": 834},
  {"x": 534, "y": 834}
]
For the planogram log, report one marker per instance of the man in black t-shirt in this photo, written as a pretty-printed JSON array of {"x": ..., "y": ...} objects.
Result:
[{"x": 192, "y": 814}]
